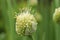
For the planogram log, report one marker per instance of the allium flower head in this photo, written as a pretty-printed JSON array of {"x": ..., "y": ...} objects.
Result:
[
  {"x": 56, "y": 15},
  {"x": 26, "y": 24}
]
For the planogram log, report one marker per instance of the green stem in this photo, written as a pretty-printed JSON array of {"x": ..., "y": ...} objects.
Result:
[
  {"x": 57, "y": 31},
  {"x": 57, "y": 26},
  {"x": 8, "y": 14},
  {"x": 56, "y": 3},
  {"x": 28, "y": 38}
]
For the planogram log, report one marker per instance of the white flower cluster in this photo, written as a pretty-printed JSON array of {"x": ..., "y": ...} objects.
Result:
[
  {"x": 26, "y": 24},
  {"x": 56, "y": 15}
]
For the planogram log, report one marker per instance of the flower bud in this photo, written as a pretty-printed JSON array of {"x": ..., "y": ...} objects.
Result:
[
  {"x": 56, "y": 15},
  {"x": 38, "y": 17}
]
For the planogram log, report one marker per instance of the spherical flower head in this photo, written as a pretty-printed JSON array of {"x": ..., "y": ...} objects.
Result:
[
  {"x": 26, "y": 24},
  {"x": 56, "y": 15}
]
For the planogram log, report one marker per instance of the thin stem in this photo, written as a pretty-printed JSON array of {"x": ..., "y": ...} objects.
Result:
[
  {"x": 30, "y": 37},
  {"x": 57, "y": 3},
  {"x": 28, "y": 3},
  {"x": 57, "y": 26}
]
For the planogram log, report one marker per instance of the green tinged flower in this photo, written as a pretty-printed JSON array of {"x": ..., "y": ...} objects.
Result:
[
  {"x": 26, "y": 23},
  {"x": 56, "y": 15}
]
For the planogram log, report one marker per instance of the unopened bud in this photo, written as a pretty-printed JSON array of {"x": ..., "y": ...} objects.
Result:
[{"x": 56, "y": 15}]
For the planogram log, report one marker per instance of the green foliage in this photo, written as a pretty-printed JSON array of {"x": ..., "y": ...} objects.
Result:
[{"x": 46, "y": 30}]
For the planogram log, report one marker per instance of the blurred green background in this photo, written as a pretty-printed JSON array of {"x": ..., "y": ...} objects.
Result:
[{"x": 46, "y": 30}]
